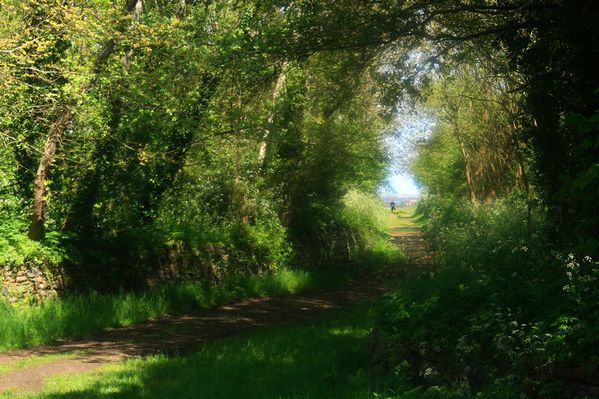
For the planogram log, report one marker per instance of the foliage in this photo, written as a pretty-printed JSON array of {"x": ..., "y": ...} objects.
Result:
[
  {"x": 561, "y": 92},
  {"x": 187, "y": 136},
  {"x": 234, "y": 137},
  {"x": 366, "y": 220},
  {"x": 501, "y": 308},
  {"x": 16, "y": 249},
  {"x": 281, "y": 106},
  {"x": 474, "y": 148},
  {"x": 439, "y": 166}
]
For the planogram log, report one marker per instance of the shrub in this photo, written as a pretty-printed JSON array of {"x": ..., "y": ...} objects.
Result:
[{"x": 501, "y": 309}]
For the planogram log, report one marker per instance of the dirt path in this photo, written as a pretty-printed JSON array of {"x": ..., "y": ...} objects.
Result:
[
  {"x": 405, "y": 231},
  {"x": 185, "y": 334},
  {"x": 175, "y": 334}
]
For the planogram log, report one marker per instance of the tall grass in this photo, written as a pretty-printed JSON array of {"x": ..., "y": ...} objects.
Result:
[
  {"x": 77, "y": 315},
  {"x": 82, "y": 314},
  {"x": 363, "y": 214}
]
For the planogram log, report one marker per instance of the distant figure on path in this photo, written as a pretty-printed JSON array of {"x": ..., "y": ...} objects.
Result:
[{"x": 392, "y": 206}]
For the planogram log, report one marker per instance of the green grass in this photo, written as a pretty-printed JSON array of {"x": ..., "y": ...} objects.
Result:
[
  {"x": 405, "y": 217},
  {"x": 78, "y": 315},
  {"x": 82, "y": 314},
  {"x": 328, "y": 359}
]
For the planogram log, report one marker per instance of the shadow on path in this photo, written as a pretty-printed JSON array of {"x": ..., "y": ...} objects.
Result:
[{"x": 179, "y": 334}]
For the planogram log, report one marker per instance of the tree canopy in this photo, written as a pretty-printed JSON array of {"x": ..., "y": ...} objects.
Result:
[{"x": 127, "y": 125}]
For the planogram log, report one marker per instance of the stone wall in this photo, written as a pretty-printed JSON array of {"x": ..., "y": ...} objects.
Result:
[{"x": 28, "y": 283}]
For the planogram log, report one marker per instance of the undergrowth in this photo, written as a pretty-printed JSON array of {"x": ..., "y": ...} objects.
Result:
[{"x": 503, "y": 313}]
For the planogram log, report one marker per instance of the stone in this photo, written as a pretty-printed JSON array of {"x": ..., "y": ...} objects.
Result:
[{"x": 21, "y": 279}]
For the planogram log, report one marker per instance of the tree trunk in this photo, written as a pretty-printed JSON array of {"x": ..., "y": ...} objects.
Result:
[
  {"x": 523, "y": 178},
  {"x": 469, "y": 175},
  {"x": 280, "y": 83},
  {"x": 55, "y": 135}
]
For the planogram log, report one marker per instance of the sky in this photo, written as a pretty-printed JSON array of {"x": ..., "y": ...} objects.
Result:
[
  {"x": 413, "y": 126},
  {"x": 402, "y": 185}
]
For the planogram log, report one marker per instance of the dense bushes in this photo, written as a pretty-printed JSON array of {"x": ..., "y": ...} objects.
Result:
[
  {"x": 237, "y": 260},
  {"x": 204, "y": 146},
  {"x": 224, "y": 235},
  {"x": 503, "y": 311}
]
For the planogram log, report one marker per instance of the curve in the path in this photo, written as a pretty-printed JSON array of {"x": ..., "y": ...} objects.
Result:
[{"x": 179, "y": 334}]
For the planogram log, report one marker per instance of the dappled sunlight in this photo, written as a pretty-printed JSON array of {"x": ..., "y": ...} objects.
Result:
[{"x": 192, "y": 192}]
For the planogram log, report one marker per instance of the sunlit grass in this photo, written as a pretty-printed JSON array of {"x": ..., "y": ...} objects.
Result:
[
  {"x": 404, "y": 218},
  {"x": 83, "y": 314}
]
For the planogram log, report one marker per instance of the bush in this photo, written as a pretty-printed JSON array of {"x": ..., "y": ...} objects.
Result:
[
  {"x": 17, "y": 249},
  {"x": 502, "y": 308}
]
